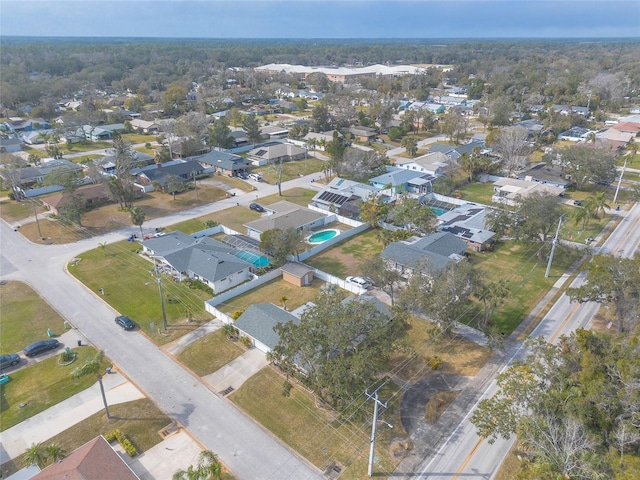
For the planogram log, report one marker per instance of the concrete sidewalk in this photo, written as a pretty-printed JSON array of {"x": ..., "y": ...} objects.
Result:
[
  {"x": 237, "y": 371},
  {"x": 175, "y": 347},
  {"x": 63, "y": 415}
]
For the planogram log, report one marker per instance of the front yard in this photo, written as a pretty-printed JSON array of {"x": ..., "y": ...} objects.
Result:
[
  {"x": 291, "y": 169},
  {"x": 210, "y": 353}
]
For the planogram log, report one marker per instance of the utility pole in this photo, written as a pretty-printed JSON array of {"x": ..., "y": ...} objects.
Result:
[
  {"x": 615, "y": 197},
  {"x": 553, "y": 248},
  {"x": 104, "y": 397},
  {"x": 35, "y": 213},
  {"x": 159, "y": 280},
  {"x": 195, "y": 186},
  {"x": 376, "y": 402}
]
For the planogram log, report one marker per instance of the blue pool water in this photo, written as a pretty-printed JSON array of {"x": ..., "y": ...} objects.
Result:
[
  {"x": 439, "y": 211},
  {"x": 256, "y": 260},
  {"x": 322, "y": 236}
]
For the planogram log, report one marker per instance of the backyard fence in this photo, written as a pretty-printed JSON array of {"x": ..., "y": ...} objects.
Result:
[{"x": 329, "y": 243}]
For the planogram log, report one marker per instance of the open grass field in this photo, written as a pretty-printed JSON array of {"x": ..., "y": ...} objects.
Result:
[
  {"x": 477, "y": 192},
  {"x": 109, "y": 217},
  {"x": 210, "y": 353},
  {"x": 272, "y": 292},
  {"x": 233, "y": 217},
  {"x": 291, "y": 169},
  {"x": 316, "y": 434},
  {"x": 135, "y": 138},
  {"x": 42, "y": 385},
  {"x": 130, "y": 289},
  {"x": 299, "y": 196},
  {"x": 25, "y": 317},
  {"x": 348, "y": 257},
  {"x": 12, "y": 211},
  {"x": 139, "y": 420}
]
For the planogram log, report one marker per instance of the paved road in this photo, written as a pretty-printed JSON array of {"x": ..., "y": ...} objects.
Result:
[
  {"x": 464, "y": 454},
  {"x": 250, "y": 451}
]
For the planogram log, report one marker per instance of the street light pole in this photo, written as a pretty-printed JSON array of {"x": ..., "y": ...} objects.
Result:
[
  {"x": 35, "y": 213},
  {"x": 553, "y": 248},
  {"x": 159, "y": 280},
  {"x": 104, "y": 397}
]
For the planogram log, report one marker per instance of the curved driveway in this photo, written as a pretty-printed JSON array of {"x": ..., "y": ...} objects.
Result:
[{"x": 249, "y": 450}]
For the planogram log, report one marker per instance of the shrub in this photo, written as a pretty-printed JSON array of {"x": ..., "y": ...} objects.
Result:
[
  {"x": 229, "y": 330},
  {"x": 245, "y": 341},
  {"x": 90, "y": 366},
  {"x": 435, "y": 362},
  {"x": 66, "y": 356},
  {"x": 200, "y": 285},
  {"x": 237, "y": 314},
  {"x": 122, "y": 440},
  {"x": 210, "y": 223}
]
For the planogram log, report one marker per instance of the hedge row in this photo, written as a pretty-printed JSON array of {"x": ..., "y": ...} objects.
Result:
[{"x": 122, "y": 440}]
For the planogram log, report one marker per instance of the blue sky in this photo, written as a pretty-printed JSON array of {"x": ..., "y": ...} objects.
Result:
[{"x": 326, "y": 19}]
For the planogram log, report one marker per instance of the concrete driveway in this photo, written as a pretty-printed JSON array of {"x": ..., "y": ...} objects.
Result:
[{"x": 236, "y": 372}]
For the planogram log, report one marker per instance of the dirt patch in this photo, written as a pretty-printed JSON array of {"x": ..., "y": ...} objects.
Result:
[{"x": 438, "y": 404}]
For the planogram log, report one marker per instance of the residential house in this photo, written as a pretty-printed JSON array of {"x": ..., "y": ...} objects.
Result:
[
  {"x": 628, "y": 127},
  {"x": 547, "y": 175},
  {"x": 275, "y": 153},
  {"x": 433, "y": 163},
  {"x": 239, "y": 136},
  {"x": 91, "y": 196},
  {"x": 319, "y": 140},
  {"x": 345, "y": 196},
  {"x": 284, "y": 215},
  {"x": 574, "y": 134},
  {"x": 509, "y": 191},
  {"x": 399, "y": 180},
  {"x": 274, "y": 132},
  {"x": 34, "y": 137},
  {"x": 144, "y": 126},
  {"x": 17, "y": 124},
  {"x": 427, "y": 254},
  {"x": 204, "y": 259},
  {"x": 363, "y": 134},
  {"x": 199, "y": 149},
  {"x": 454, "y": 152},
  {"x": 533, "y": 127},
  {"x": 258, "y": 322},
  {"x": 95, "y": 460},
  {"x": 223, "y": 163},
  {"x": 467, "y": 222},
  {"x": 94, "y": 134},
  {"x": 10, "y": 145},
  {"x": 616, "y": 138},
  {"x": 161, "y": 173},
  {"x": 30, "y": 176},
  {"x": 570, "y": 109}
]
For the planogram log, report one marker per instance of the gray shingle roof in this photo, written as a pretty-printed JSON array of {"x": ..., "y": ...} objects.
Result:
[
  {"x": 259, "y": 319},
  {"x": 434, "y": 251}
]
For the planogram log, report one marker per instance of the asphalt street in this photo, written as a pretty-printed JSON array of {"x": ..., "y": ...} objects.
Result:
[{"x": 249, "y": 450}]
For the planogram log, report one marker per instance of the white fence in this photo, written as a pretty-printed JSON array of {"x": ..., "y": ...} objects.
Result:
[
  {"x": 327, "y": 277},
  {"x": 214, "y": 231},
  {"x": 334, "y": 217}
]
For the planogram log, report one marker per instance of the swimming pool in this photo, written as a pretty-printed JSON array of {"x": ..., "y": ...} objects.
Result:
[
  {"x": 439, "y": 211},
  {"x": 255, "y": 259},
  {"x": 323, "y": 235}
]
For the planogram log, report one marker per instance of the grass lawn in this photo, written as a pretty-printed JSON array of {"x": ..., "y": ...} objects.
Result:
[
  {"x": 35, "y": 151},
  {"x": 109, "y": 217},
  {"x": 299, "y": 196},
  {"x": 88, "y": 146},
  {"x": 25, "y": 317},
  {"x": 139, "y": 420},
  {"x": 459, "y": 355},
  {"x": 575, "y": 233},
  {"x": 291, "y": 169},
  {"x": 233, "y": 182},
  {"x": 42, "y": 385},
  {"x": 477, "y": 192},
  {"x": 316, "y": 434},
  {"x": 132, "y": 290},
  {"x": 135, "y": 138},
  {"x": 233, "y": 217},
  {"x": 348, "y": 257},
  {"x": 518, "y": 264},
  {"x": 149, "y": 151},
  {"x": 272, "y": 292},
  {"x": 12, "y": 211},
  {"x": 210, "y": 353}
]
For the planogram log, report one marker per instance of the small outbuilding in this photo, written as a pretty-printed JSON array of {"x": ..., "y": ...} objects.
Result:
[{"x": 297, "y": 274}]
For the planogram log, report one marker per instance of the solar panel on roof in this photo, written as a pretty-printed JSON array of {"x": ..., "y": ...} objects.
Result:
[
  {"x": 332, "y": 197},
  {"x": 260, "y": 153}
]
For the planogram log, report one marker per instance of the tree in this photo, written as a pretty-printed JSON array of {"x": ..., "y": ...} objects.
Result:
[
  {"x": 34, "y": 455},
  {"x": 501, "y": 109},
  {"x": 121, "y": 183},
  {"x": 192, "y": 124},
  {"x": 441, "y": 294},
  {"x": 335, "y": 149},
  {"x": 373, "y": 210},
  {"x": 252, "y": 128},
  {"x": 415, "y": 217},
  {"x": 599, "y": 203},
  {"x": 341, "y": 345},
  {"x": 588, "y": 164},
  {"x": 388, "y": 279},
  {"x": 614, "y": 282},
  {"x": 513, "y": 147},
  {"x": 220, "y": 135},
  {"x": 318, "y": 81},
  {"x": 537, "y": 216},
  {"x": 410, "y": 144},
  {"x": 137, "y": 217},
  {"x": 454, "y": 126},
  {"x": 174, "y": 185},
  {"x": 65, "y": 177},
  {"x": 54, "y": 452},
  {"x": 174, "y": 99},
  {"x": 72, "y": 210},
  {"x": 208, "y": 468},
  {"x": 491, "y": 295},
  {"x": 280, "y": 243},
  {"x": 320, "y": 119}
]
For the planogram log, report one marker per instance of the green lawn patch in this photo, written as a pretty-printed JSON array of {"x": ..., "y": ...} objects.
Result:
[
  {"x": 135, "y": 138},
  {"x": 299, "y": 196},
  {"x": 316, "y": 434},
  {"x": 348, "y": 257},
  {"x": 210, "y": 353},
  {"x": 87, "y": 146},
  {"x": 272, "y": 292},
  {"x": 291, "y": 169},
  {"x": 132, "y": 290},
  {"x": 25, "y": 317},
  {"x": 233, "y": 182},
  {"x": 11, "y": 210},
  {"x": 233, "y": 217},
  {"x": 140, "y": 421},
  {"x": 42, "y": 385},
  {"x": 477, "y": 193}
]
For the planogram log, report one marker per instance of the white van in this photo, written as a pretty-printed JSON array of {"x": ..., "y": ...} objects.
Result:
[{"x": 255, "y": 176}]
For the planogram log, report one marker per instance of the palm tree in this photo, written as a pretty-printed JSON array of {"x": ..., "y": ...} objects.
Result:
[
  {"x": 54, "y": 452},
  {"x": 208, "y": 468},
  {"x": 137, "y": 217},
  {"x": 34, "y": 455},
  {"x": 599, "y": 202},
  {"x": 284, "y": 299}
]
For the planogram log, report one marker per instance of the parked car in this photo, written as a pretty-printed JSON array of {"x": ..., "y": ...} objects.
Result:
[
  {"x": 125, "y": 322},
  {"x": 256, "y": 207},
  {"x": 4, "y": 379},
  {"x": 361, "y": 282},
  {"x": 40, "y": 347},
  {"x": 578, "y": 203},
  {"x": 255, "y": 176},
  {"x": 9, "y": 360}
]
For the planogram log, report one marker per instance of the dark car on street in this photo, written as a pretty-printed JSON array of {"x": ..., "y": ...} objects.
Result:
[
  {"x": 256, "y": 207},
  {"x": 125, "y": 322},
  {"x": 9, "y": 360},
  {"x": 40, "y": 347}
]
